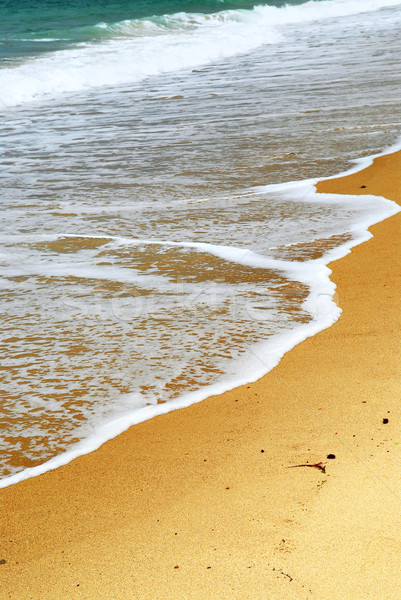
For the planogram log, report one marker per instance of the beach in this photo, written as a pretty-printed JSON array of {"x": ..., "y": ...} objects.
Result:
[
  {"x": 204, "y": 502},
  {"x": 162, "y": 239}
]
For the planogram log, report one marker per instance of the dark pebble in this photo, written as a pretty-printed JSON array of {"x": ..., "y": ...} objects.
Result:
[
  {"x": 262, "y": 450},
  {"x": 363, "y": 186},
  {"x": 331, "y": 456},
  {"x": 385, "y": 421},
  {"x": 3, "y": 561}
]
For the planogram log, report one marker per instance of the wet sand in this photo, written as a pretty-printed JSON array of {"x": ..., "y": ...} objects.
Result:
[{"x": 201, "y": 503}]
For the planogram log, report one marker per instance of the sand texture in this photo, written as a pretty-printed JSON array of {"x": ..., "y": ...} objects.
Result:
[{"x": 200, "y": 503}]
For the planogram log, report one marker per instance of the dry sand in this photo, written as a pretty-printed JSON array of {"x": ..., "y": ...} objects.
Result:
[{"x": 200, "y": 504}]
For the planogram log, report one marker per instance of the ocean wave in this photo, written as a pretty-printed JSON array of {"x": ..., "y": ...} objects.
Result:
[
  {"x": 267, "y": 15},
  {"x": 260, "y": 357},
  {"x": 132, "y": 50}
]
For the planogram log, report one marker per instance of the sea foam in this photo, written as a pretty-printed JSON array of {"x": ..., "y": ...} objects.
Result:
[
  {"x": 265, "y": 355},
  {"x": 131, "y": 51}
]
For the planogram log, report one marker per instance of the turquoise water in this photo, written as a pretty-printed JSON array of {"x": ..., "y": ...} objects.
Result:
[
  {"x": 144, "y": 263},
  {"x": 28, "y": 28}
]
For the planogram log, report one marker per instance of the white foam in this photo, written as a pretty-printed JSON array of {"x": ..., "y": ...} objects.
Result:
[
  {"x": 82, "y": 271},
  {"x": 35, "y": 40},
  {"x": 264, "y": 356},
  {"x": 144, "y": 48}
]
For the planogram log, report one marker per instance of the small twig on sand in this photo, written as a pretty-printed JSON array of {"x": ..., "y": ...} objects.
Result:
[{"x": 321, "y": 466}]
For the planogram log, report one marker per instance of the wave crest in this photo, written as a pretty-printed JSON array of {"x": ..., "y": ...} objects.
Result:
[{"x": 132, "y": 50}]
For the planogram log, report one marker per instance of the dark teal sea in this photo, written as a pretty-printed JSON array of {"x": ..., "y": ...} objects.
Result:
[{"x": 28, "y": 28}]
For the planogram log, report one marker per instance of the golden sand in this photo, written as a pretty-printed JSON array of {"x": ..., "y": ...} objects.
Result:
[{"x": 200, "y": 503}]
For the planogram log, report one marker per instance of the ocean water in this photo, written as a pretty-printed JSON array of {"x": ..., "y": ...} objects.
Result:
[{"x": 162, "y": 239}]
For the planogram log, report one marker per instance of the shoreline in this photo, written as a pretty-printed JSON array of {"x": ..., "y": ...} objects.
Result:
[
  {"x": 192, "y": 489},
  {"x": 326, "y": 288}
]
